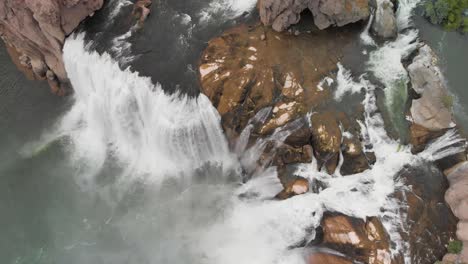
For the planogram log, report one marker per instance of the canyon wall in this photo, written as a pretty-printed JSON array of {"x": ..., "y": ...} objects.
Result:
[{"x": 34, "y": 32}]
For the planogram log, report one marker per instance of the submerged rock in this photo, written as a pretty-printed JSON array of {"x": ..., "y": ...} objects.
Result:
[
  {"x": 384, "y": 24},
  {"x": 37, "y": 29},
  {"x": 281, "y": 14}
]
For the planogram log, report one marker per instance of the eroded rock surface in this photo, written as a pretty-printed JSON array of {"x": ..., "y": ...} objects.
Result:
[
  {"x": 429, "y": 224},
  {"x": 36, "y": 31},
  {"x": 457, "y": 197},
  {"x": 254, "y": 71},
  {"x": 360, "y": 241},
  {"x": 433, "y": 110},
  {"x": 281, "y": 14},
  {"x": 385, "y": 25}
]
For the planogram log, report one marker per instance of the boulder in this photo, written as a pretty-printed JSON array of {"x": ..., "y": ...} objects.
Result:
[
  {"x": 37, "y": 29},
  {"x": 294, "y": 187},
  {"x": 326, "y": 140},
  {"x": 361, "y": 241},
  {"x": 433, "y": 110},
  {"x": 281, "y": 14},
  {"x": 354, "y": 158},
  {"x": 384, "y": 24}
]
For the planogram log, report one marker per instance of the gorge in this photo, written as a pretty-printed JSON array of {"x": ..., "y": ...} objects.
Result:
[{"x": 230, "y": 131}]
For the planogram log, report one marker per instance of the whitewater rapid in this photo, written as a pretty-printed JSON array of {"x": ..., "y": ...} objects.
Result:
[{"x": 159, "y": 140}]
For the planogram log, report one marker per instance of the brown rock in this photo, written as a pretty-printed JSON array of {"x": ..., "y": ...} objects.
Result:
[
  {"x": 326, "y": 140},
  {"x": 362, "y": 241},
  {"x": 248, "y": 69},
  {"x": 354, "y": 158},
  {"x": 324, "y": 258},
  {"x": 295, "y": 187},
  {"x": 37, "y": 31},
  {"x": 429, "y": 224}
]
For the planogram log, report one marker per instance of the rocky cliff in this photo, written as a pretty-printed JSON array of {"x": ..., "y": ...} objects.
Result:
[
  {"x": 281, "y": 14},
  {"x": 35, "y": 31}
]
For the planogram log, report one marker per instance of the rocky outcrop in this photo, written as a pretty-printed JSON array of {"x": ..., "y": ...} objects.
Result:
[
  {"x": 141, "y": 11},
  {"x": 252, "y": 72},
  {"x": 361, "y": 241},
  {"x": 384, "y": 24},
  {"x": 457, "y": 197},
  {"x": 429, "y": 224},
  {"x": 36, "y": 30},
  {"x": 432, "y": 111},
  {"x": 281, "y": 14}
]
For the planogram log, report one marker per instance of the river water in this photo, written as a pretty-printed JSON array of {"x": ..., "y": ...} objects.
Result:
[{"x": 134, "y": 169}]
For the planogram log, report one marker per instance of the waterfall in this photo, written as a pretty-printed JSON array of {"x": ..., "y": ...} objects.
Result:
[{"x": 118, "y": 115}]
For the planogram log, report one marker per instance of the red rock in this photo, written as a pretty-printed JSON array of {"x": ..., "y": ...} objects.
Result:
[{"x": 295, "y": 187}]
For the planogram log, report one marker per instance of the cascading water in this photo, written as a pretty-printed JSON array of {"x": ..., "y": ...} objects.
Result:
[{"x": 122, "y": 116}]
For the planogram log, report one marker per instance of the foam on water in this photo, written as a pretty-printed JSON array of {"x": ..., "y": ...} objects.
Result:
[{"x": 226, "y": 8}]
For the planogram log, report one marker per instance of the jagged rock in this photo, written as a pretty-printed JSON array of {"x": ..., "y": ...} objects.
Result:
[
  {"x": 281, "y": 14},
  {"x": 429, "y": 224},
  {"x": 384, "y": 24},
  {"x": 37, "y": 31},
  {"x": 360, "y": 241},
  {"x": 326, "y": 140},
  {"x": 433, "y": 110}
]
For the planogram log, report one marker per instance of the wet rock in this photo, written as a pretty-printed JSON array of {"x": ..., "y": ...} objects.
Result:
[
  {"x": 385, "y": 25},
  {"x": 297, "y": 186},
  {"x": 420, "y": 136},
  {"x": 361, "y": 241},
  {"x": 248, "y": 69},
  {"x": 281, "y": 14},
  {"x": 326, "y": 258},
  {"x": 37, "y": 31},
  {"x": 429, "y": 224},
  {"x": 326, "y": 140},
  {"x": 354, "y": 158},
  {"x": 289, "y": 155},
  {"x": 433, "y": 110},
  {"x": 141, "y": 11}
]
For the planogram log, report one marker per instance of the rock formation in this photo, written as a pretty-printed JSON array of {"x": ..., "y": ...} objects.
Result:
[
  {"x": 429, "y": 224},
  {"x": 431, "y": 113},
  {"x": 384, "y": 24},
  {"x": 281, "y": 14},
  {"x": 360, "y": 241},
  {"x": 457, "y": 197},
  {"x": 36, "y": 31},
  {"x": 250, "y": 71}
]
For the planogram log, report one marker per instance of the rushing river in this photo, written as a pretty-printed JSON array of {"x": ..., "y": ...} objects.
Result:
[{"x": 134, "y": 169}]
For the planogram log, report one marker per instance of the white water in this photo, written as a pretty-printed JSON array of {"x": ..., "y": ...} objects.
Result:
[
  {"x": 121, "y": 116},
  {"x": 227, "y": 8}
]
